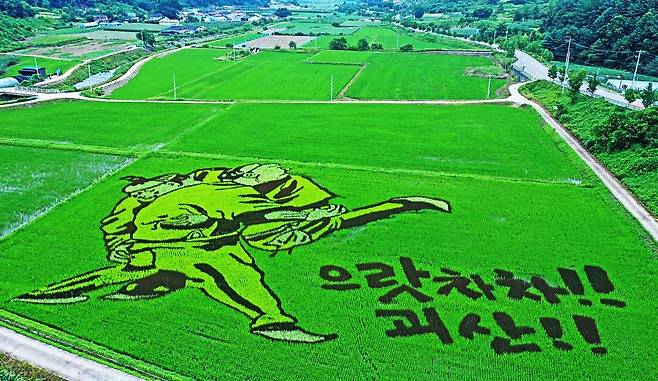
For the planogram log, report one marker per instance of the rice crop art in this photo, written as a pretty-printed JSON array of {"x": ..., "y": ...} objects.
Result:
[{"x": 180, "y": 231}]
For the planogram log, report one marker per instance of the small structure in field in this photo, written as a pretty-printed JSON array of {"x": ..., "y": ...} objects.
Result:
[{"x": 32, "y": 70}]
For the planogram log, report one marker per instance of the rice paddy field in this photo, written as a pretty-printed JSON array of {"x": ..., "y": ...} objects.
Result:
[
  {"x": 235, "y": 40},
  {"x": 314, "y": 28},
  {"x": 536, "y": 272},
  {"x": 282, "y": 237},
  {"x": 267, "y": 75},
  {"x": 211, "y": 74},
  {"x": 390, "y": 40}
]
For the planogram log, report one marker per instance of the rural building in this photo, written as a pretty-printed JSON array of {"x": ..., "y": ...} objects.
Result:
[
  {"x": 155, "y": 18},
  {"x": 86, "y": 25},
  {"x": 168, "y": 21},
  {"x": 180, "y": 29},
  {"x": 8, "y": 82},
  {"x": 100, "y": 18},
  {"x": 32, "y": 70}
]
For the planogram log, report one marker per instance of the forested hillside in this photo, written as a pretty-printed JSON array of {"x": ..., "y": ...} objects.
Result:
[{"x": 605, "y": 33}]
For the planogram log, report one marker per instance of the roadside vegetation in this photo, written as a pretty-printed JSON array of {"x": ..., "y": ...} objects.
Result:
[
  {"x": 14, "y": 370},
  {"x": 625, "y": 141}
]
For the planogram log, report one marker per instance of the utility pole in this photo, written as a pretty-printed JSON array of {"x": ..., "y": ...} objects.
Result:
[
  {"x": 331, "y": 89},
  {"x": 91, "y": 87},
  {"x": 397, "y": 41},
  {"x": 489, "y": 87},
  {"x": 566, "y": 66},
  {"x": 174, "y": 86},
  {"x": 637, "y": 65}
]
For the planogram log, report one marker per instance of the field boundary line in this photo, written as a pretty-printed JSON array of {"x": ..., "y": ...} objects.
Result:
[
  {"x": 354, "y": 78},
  {"x": 49, "y": 208},
  {"x": 50, "y": 144},
  {"x": 618, "y": 190},
  {"x": 420, "y": 172}
]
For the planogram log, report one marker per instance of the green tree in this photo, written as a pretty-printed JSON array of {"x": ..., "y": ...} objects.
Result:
[
  {"x": 592, "y": 83},
  {"x": 282, "y": 13},
  {"x": 376, "y": 46},
  {"x": 147, "y": 39},
  {"x": 292, "y": 45},
  {"x": 406, "y": 48},
  {"x": 630, "y": 95},
  {"x": 338, "y": 43},
  {"x": 576, "y": 80},
  {"x": 649, "y": 96},
  {"x": 419, "y": 12},
  {"x": 552, "y": 72},
  {"x": 170, "y": 8},
  {"x": 363, "y": 45}
]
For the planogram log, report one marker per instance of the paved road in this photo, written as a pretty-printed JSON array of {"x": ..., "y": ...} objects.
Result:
[
  {"x": 57, "y": 361},
  {"x": 537, "y": 70}
]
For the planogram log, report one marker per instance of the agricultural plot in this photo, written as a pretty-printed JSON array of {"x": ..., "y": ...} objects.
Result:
[
  {"x": 83, "y": 50},
  {"x": 391, "y": 40},
  {"x": 36, "y": 179},
  {"x": 315, "y": 29},
  {"x": 235, "y": 40},
  {"x": 278, "y": 42},
  {"x": 139, "y": 127},
  {"x": 205, "y": 74},
  {"x": 51, "y": 65},
  {"x": 499, "y": 265},
  {"x": 415, "y": 76}
]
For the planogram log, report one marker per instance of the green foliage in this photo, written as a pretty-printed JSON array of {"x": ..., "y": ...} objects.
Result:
[
  {"x": 552, "y": 72},
  {"x": 282, "y": 13},
  {"x": 376, "y": 46},
  {"x": 363, "y": 45},
  {"x": 6, "y": 61},
  {"x": 389, "y": 39},
  {"x": 419, "y": 11},
  {"x": 624, "y": 130},
  {"x": 649, "y": 95},
  {"x": 630, "y": 95},
  {"x": 625, "y": 141},
  {"x": 406, "y": 48},
  {"x": 576, "y": 80},
  {"x": 120, "y": 61},
  {"x": 147, "y": 39},
  {"x": 338, "y": 43},
  {"x": 615, "y": 30},
  {"x": 592, "y": 83},
  {"x": 292, "y": 45}
]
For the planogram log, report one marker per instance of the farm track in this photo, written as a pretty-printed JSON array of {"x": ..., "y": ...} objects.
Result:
[{"x": 356, "y": 76}]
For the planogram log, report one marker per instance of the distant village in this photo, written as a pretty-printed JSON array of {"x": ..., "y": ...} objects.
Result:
[{"x": 191, "y": 15}]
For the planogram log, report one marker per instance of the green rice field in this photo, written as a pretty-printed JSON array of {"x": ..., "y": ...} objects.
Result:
[
  {"x": 319, "y": 215},
  {"x": 391, "y": 40},
  {"x": 314, "y": 28},
  {"x": 422, "y": 76},
  {"x": 235, "y": 40},
  {"x": 267, "y": 75},
  {"x": 532, "y": 242}
]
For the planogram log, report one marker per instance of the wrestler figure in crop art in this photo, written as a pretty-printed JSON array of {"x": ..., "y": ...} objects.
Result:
[{"x": 194, "y": 230}]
